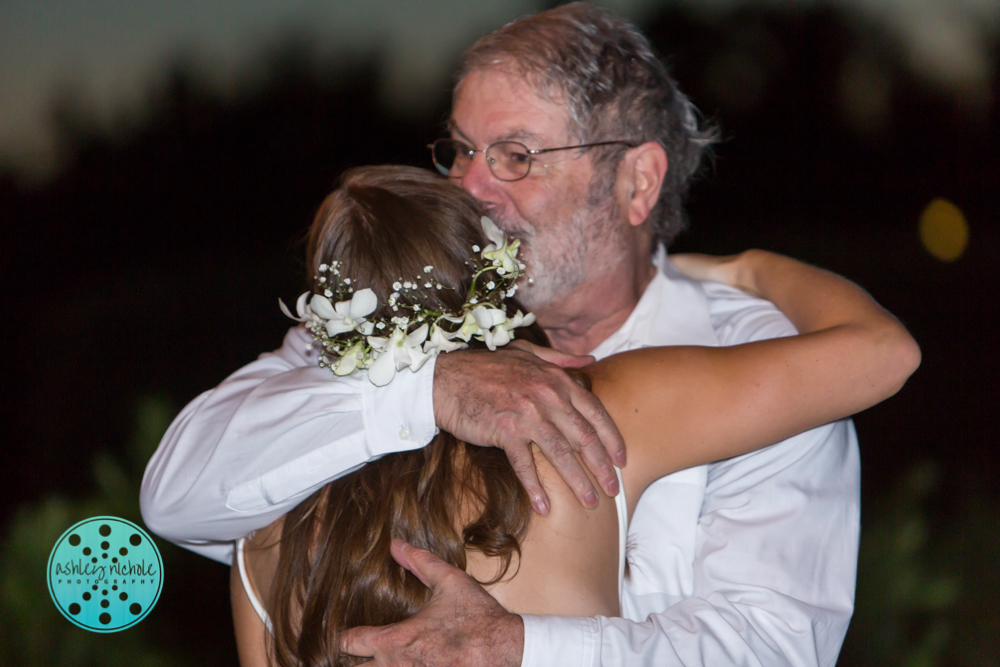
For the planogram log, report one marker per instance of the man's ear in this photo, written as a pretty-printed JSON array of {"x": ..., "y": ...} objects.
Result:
[{"x": 642, "y": 173}]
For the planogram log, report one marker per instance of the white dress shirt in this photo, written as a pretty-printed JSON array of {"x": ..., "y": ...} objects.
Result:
[{"x": 747, "y": 561}]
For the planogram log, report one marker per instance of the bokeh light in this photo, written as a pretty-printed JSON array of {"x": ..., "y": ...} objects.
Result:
[{"x": 943, "y": 230}]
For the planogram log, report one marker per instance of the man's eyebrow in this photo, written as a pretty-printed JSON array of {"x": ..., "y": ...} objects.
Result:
[
  {"x": 454, "y": 129},
  {"x": 521, "y": 135}
]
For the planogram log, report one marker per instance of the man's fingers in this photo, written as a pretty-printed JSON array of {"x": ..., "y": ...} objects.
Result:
[
  {"x": 561, "y": 359},
  {"x": 427, "y": 567},
  {"x": 608, "y": 437},
  {"x": 595, "y": 456},
  {"x": 523, "y": 464},
  {"x": 359, "y": 641},
  {"x": 558, "y": 452},
  {"x": 520, "y": 397}
]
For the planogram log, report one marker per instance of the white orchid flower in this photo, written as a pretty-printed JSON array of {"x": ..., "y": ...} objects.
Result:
[
  {"x": 443, "y": 341},
  {"x": 495, "y": 235},
  {"x": 478, "y": 322},
  {"x": 412, "y": 347},
  {"x": 383, "y": 369},
  {"x": 349, "y": 360},
  {"x": 519, "y": 320},
  {"x": 503, "y": 332},
  {"x": 346, "y": 315},
  {"x": 507, "y": 256},
  {"x": 399, "y": 351},
  {"x": 302, "y": 307},
  {"x": 489, "y": 319},
  {"x": 498, "y": 336},
  {"x": 499, "y": 252},
  {"x": 469, "y": 327}
]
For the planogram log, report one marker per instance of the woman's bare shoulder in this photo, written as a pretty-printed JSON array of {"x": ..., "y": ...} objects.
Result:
[
  {"x": 568, "y": 561},
  {"x": 654, "y": 397},
  {"x": 260, "y": 553}
]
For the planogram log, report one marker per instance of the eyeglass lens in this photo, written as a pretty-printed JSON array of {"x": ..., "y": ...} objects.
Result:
[
  {"x": 445, "y": 153},
  {"x": 508, "y": 160}
]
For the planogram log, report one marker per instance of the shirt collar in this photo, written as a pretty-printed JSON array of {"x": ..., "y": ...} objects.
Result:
[{"x": 672, "y": 311}]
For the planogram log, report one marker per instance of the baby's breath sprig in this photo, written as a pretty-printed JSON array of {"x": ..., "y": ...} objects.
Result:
[{"x": 420, "y": 327}]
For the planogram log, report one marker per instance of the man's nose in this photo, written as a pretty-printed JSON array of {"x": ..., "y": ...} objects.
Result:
[{"x": 478, "y": 180}]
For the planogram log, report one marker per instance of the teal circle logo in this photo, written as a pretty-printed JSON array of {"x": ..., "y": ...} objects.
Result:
[{"x": 105, "y": 574}]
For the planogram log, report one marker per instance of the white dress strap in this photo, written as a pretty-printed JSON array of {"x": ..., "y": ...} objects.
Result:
[
  {"x": 622, "y": 506},
  {"x": 248, "y": 587}
]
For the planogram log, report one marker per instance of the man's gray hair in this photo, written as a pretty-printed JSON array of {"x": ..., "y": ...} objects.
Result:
[{"x": 614, "y": 86}]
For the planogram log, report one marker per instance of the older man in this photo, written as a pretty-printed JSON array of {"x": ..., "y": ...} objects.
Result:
[{"x": 572, "y": 135}]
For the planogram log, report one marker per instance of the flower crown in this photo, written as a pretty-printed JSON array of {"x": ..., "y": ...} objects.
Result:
[{"x": 349, "y": 340}]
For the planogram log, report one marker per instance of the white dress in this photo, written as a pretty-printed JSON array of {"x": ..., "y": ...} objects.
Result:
[{"x": 620, "y": 505}]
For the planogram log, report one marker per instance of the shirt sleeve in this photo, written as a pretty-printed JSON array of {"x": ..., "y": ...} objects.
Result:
[
  {"x": 243, "y": 454},
  {"x": 775, "y": 559}
]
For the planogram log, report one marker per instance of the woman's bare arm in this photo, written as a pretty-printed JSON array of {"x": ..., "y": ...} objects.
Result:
[
  {"x": 721, "y": 402},
  {"x": 251, "y": 634}
]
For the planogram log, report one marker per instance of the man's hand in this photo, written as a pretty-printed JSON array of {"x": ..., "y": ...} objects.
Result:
[
  {"x": 511, "y": 398},
  {"x": 460, "y": 625}
]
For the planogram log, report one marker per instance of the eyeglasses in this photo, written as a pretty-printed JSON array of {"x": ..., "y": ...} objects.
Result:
[{"x": 508, "y": 160}]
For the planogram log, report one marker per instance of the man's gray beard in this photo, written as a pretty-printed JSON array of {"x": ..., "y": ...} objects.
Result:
[{"x": 593, "y": 244}]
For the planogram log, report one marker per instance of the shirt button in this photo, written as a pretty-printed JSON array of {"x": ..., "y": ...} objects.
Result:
[{"x": 404, "y": 434}]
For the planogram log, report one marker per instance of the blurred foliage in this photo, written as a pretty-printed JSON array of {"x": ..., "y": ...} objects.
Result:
[
  {"x": 927, "y": 585},
  {"x": 902, "y": 603},
  {"x": 34, "y": 633},
  {"x": 974, "y": 549}
]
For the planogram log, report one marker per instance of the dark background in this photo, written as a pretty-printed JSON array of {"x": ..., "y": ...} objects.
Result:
[{"x": 150, "y": 266}]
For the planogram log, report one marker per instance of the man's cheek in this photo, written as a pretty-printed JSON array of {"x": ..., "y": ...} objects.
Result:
[{"x": 526, "y": 254}]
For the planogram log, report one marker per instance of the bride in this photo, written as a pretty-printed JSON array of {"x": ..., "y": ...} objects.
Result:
[{"x": 404, "y": 268}]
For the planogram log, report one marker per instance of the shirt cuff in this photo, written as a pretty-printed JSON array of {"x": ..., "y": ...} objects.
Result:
[
  {"x": 400, "y": 416},
  {"x": 560, "y": 640}
]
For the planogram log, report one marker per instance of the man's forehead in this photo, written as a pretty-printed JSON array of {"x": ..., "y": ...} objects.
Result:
[{"x": 496, "y": 105}]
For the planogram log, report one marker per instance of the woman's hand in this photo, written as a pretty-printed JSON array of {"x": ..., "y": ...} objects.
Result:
[{"x": 732, "y": 270}]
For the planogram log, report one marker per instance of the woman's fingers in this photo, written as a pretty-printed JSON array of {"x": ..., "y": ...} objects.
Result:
[
  {"x": 720, "y": 269},
  {"x": 695, "y": 265}
]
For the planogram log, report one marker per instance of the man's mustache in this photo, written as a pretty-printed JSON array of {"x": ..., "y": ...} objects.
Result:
[{"x": 513, "y": 231}]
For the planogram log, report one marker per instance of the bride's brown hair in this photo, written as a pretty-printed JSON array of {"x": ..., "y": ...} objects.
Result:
[{"x": 334, "y": 570}]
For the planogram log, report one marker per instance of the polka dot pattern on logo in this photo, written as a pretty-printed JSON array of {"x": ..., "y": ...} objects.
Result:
[{"x": 129, "y": 583}]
